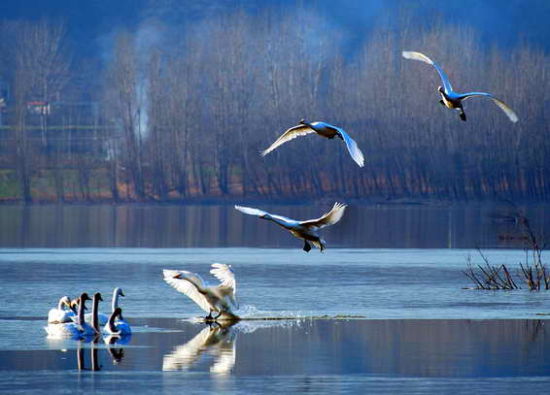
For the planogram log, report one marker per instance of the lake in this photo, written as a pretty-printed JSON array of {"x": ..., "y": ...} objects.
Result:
[{"x": 385, "y": 308}]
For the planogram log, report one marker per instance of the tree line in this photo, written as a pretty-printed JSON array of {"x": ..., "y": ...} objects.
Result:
[{"x": 183, "y": 113}]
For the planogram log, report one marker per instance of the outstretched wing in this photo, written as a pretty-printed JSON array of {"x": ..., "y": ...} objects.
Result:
[
  {"x": 503, "y": 106},
  {"x": 353, "y": 149},
  {"x": 278, "y": 219},
  {"x": 423, "y": 58},
  {"x": 189, "y": 284},
  {"x": 226, "y": 356},
  {"x": 290, "y": 134},
  {"x": 330, "y": 218},
  {"x": 227, "y": 279}
]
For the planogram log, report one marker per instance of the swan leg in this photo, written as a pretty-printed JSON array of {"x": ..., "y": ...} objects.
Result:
[
  {"x": 209, "y": 316},
  {"x": 462, "y": 114},
  {"x": 218, "y": 316},
  {"x": 307, "y": 246}
]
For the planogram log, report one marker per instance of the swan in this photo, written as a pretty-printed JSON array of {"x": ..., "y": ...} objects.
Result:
[
  {"x": 76, "y": 328},
  {"x": 60, "y": 314},
  {"x": 218, "y": 341},
  {"x": 104, "y": 318},
  {"x": 452, "y": 99},
  {"x": 306, "y": 230},
  {"x": 323, "y": 129},
  {"x": 117, "y": 327},
  {"x": 218, "y": 298}
]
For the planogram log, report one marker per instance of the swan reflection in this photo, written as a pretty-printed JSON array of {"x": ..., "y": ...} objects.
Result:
[
  {"x": 216, "y": 340},
  {"x": 94, "y": 357}
]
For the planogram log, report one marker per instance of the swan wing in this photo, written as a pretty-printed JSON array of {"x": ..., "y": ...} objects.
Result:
[
  {"x": 189, "y": 284},
  {"x": 423, "y": 58},
  {"x": 279, "y": 219},
  {"x": 503, "y": 106},
  {"x": 353, "y": 149},
  {"x": 187, "y": 354},
  {"x": 330, "y": 218},
  {"x": 227, "y": 279},
  {"x": 226, "y": 358},
  {"x": 289, "y": 134}
]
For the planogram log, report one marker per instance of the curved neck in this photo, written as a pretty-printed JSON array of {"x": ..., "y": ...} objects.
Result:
[
  {"x": 95, "y": 321},
  {"x": 111, "y": 323},
  {"x": 60, "y": 304}
]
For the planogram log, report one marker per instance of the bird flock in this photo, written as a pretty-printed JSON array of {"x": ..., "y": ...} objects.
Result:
[{"x": 220, "y": 299}]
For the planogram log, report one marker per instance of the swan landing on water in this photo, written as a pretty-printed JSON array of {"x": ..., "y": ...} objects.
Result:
[
  {"x": 306, "y": 230},
  {"x": 452, "y": 99},
  {"x": 219, "y": 298},
  {"x": 323, "y": 129}
]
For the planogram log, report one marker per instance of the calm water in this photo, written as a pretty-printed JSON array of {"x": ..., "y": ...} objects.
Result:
[
  {"x": 381, "y": 226},
  {"x": 349, "y": 320}
]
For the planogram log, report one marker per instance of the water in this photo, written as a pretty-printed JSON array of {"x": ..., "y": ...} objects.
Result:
[{"x": 360, "y": 317}]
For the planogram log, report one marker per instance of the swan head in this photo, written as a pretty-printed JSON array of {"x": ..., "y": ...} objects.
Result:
[
  {"x": 84, "y": 296},
  {"x": 118, "y": 291},
  {"x": 97, "y": 296},
  {"x": 440, "y": 89},
  {"x": 117, "y": 312},
  {"x": 303, "y": 121}
]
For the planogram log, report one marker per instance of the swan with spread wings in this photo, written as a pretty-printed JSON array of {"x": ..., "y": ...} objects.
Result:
[
  {"x": 219, "y": 298},
  {"x": 452, "y": 99},
  {"x": 306, "y": 230},
  {"x": 323, "y": 129}
]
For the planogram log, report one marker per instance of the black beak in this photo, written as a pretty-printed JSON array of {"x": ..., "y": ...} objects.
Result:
[
  {"x": 100, "y": 298},
  {"x": 122, "y": 293}
]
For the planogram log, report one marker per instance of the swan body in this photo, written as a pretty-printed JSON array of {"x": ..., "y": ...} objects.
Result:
[
  {"x": 117, "y": 327},
  {"x": 79, "y": 327},
  {"x": 218, "y": 298},
  {"x": 452, "y": 99},
  {"x": 61, "y": 314},
  {"x": 306, "y": 230},
  {"x": 323, "y": 129},
  {"x": 104, "y": 318}
]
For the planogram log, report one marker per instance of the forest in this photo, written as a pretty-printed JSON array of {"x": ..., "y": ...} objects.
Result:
[{"x": 172, "y": 113}]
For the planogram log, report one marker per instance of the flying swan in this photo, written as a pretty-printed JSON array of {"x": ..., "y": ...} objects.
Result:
[
  {"x": 452, "y": 99},
  {"x": 306, "y": 230},
  {"x": 323, "y": 129},
  {"x": 218, "y": 298}
]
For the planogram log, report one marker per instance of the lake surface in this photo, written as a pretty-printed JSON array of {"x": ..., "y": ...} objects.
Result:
[{"x": 386, "y": 308}]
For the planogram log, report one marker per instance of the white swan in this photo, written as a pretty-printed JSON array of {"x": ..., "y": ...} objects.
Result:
[
  {"x": 323, "y": 129},
  {"x": 217, "y": 341},
  {"x": 62, "y": 313},
  {"x": 452, "y": 99},
  {"x": 117, "y": 327},
  {"x": 104, "y": 318},
  {"x": 219, "y": 298},
  {"x": 78, "y": 327},
  {"x": 306, "y": 230}
]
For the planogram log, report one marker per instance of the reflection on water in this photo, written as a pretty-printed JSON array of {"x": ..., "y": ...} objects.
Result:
[
  {"x": 216, "y": 340},
  {"x": 385, "y": 226}
]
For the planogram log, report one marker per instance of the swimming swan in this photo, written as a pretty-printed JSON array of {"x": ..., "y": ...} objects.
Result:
[
  {"x": 306, "y": 230},
  {"x": 218, "y": 298},
  {"x": 78, "y": 327},
  {"x": 452, "y": 99},
  {"x": 323, "y": 129},
  {"x": 104, "y": 318},
  {"x": 61, "y": 314},
  {"x": 117, "y": 327}
]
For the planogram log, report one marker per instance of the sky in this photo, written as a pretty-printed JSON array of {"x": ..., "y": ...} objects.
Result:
[{"x": 89, "y": 23}]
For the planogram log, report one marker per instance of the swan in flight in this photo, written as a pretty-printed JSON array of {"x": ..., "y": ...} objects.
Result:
[
  {"x": 104, "y": 318},
  {"x": 323, "y": 129},
  {"x": 62, "y": 313},
  {"x": 117, "y": 327},
  {"x": 452, "y": 99},
  {"x": 217, "y": 298},
  {"x": 215, "y": 340},
  {"x": 306, "y": 230}
]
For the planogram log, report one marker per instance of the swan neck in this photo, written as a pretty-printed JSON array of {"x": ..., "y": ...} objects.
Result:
[
  {"x": 60, "y": 304},
  {"x": 111, "y": 323},
  {"x": 114, "y": 304},
  {"x": 81, "y": 312},
  {"x": 95, "y": 321}
]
